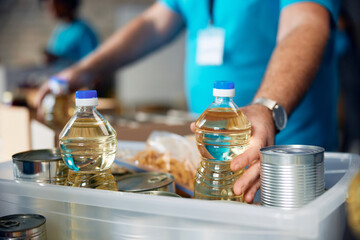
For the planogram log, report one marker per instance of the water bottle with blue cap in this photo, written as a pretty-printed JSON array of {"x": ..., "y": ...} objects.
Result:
[
  {"x": 88, "y": 143},
  {"x": 58, "y": 86},
  {"x": 57, "y": 106},
  {"x": 222, "y": 132}
]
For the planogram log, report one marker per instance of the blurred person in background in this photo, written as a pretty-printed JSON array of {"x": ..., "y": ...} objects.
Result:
[
  {"x": 72, "y": 38},
  {"x": 280, "y": 50}
]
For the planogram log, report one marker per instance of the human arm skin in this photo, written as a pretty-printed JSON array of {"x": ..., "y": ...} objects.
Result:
[
  {"x": 303, "y": 32},
  {"x": 150, "y": 30}
]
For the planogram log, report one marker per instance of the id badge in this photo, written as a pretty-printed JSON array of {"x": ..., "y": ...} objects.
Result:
[{"x": 210, "y": 46}]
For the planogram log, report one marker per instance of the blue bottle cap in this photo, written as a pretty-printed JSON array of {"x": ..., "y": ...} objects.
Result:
[
  {"x": 58, "y": 80},
  {"x": 224, "y": 85},
  {"x": 86, "y": 94},
  {"x": 58, "y": 86}
]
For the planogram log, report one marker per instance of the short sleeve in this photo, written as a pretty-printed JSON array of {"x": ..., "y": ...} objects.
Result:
[
  {"x": 171, "y": 4},
  {"x": 52, "y": 45},
  {"x": 332, "y": 6},
  {"x": 87, "y": 43}
]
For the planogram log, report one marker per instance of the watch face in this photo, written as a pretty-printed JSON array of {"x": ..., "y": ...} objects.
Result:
[{"x": 280, "y": 117}]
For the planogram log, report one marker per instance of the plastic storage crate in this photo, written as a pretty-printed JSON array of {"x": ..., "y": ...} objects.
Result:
[{"x": 74, "y": 213}]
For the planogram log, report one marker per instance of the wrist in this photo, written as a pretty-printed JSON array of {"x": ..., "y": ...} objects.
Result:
[
  {"x": 278, "y": 113},
  {"x": 266, "y": 115},
  {"x": 83, "y": 75}
]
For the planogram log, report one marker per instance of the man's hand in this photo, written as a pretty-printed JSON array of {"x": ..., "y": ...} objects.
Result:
[
  {"x": 76, "y": 78},
  {"x": 262, "y": 134}
]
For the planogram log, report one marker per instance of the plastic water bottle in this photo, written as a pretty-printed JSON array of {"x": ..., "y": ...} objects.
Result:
[
  {"x": 57, "y": 107},
  {"x": 353, "y": 205},
  {"x": 222, "y": 132},
  {"x": 88, "y": 145}
]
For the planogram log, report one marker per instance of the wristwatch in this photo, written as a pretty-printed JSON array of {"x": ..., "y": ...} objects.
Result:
[{"x": 278, "y": 112}]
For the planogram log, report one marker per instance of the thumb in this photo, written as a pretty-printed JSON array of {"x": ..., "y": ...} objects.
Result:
[{"x": 192, "y": 126}]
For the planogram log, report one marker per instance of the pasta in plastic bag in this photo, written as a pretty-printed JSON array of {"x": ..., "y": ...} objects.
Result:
[{"x": 172, "y": 153}]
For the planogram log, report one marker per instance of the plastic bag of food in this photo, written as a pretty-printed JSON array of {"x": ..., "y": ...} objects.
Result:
[{"x": 172, "y": 153}]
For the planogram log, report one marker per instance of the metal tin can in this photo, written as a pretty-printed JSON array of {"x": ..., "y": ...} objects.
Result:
[
  {"x": 291, "y": 175},
  {"x": 162, "y": 193},
  {"x": 44, "y": 166},
  {"x": 23, "y": 226},
  {"x": 148, "y": 181}
]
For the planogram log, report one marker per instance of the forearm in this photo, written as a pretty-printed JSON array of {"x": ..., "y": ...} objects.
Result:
[
  {"x": 141, "y": 36},
  {"x": 123, "y": 47},
  {"x": 294, "y": 64}
]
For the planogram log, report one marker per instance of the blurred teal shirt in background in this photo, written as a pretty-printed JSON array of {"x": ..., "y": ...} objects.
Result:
[
  {"x": 72, "y": 41},
  {"x": 250, "y": 38}
]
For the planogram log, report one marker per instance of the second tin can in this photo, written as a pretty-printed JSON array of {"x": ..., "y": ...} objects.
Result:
[
  {"x": 162, "y": 193},
  {"x": 23, "y": 227},
  {"x": 43, "y": 166},
  {"x": 149, "y": 181},
  {"x": 291, "y": 175}
]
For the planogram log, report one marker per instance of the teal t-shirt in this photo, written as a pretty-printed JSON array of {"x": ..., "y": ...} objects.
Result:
[
  {"x": 250, "y": 38},
  {"x": 72, "y": 41}
]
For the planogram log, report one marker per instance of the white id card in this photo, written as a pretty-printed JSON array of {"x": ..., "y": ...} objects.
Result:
[{"x": 210, "y": 46}]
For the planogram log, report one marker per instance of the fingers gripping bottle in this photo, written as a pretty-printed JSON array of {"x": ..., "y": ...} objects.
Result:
[
  {"x": 88, "y": 145},
  {"x": 222, "y": 132}
]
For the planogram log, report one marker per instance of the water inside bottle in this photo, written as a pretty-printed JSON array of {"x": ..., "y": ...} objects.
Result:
[
  {"x": 63, "y": 110},
  {"x": 221, "y": 134},
  {"x": 89, "y": 145}
]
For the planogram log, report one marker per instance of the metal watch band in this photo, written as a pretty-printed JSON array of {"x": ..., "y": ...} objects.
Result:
[{"x": 270, "y": 104}]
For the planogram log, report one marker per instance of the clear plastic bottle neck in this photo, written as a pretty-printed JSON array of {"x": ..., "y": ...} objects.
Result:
[
  {"x": 223, "y": 100},
  {"x": 85, "y": 109}
]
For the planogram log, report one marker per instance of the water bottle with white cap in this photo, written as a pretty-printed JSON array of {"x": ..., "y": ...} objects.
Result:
[
  {"x": 88, "y": 141},
  {"x": 222, "y": 132}
]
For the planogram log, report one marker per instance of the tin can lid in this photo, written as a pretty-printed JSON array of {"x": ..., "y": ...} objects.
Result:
[
  {"x": 19, "y": 225},
  {"x": 292, "y": 150},
  {"x": 292, "y": 154},
  {"x": 41, "y": 155},
  {"x": 144, "y": 181},
  {"x": 162, "y": 193}
]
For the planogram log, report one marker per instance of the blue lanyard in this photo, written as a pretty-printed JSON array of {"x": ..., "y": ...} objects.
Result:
[{"x": 211, "y": 11}]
